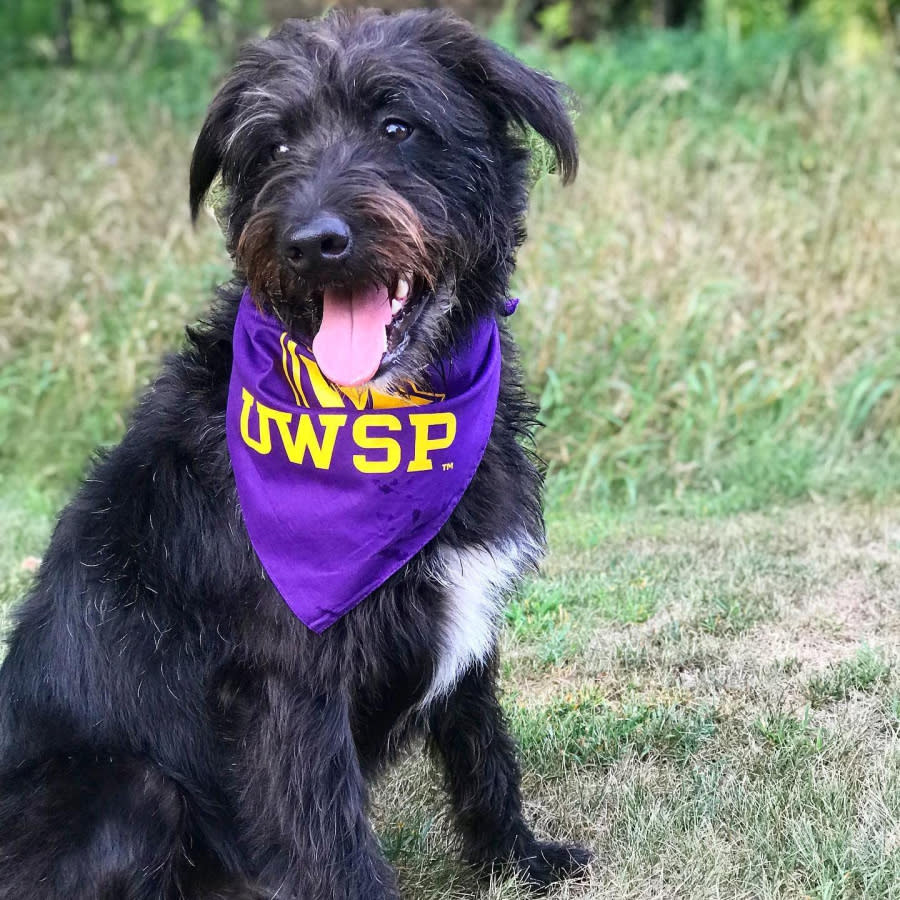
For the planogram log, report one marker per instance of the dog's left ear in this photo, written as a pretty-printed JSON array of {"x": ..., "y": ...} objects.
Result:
[
  {"x": 531, "y": 98},
  {"x": 210, "y": 147},
  {"x": 523, "y": 96}
]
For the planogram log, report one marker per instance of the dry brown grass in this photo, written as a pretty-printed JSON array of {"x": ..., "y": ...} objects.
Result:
[{"x": 780, "y": 795}]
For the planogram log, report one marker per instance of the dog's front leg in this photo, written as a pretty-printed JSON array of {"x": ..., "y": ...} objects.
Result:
[
  {"x": 302, "y": 797},
  {"x": 483, "y": 778}
]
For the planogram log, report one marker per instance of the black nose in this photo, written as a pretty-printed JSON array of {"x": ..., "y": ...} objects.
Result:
[{"x": 324, "y": 239}]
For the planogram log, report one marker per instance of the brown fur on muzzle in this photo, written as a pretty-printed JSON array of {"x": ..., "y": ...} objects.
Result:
[{"x": 389, "y": 240}]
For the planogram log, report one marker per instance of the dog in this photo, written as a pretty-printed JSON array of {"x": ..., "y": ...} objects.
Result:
[{"x": 170, "y": 725}]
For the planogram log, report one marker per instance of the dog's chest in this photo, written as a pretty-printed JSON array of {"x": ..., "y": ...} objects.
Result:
[{"x": 474, "y": 583}]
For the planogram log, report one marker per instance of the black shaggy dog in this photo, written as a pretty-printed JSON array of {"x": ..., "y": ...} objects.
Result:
[{"x": 169, "y": 728}]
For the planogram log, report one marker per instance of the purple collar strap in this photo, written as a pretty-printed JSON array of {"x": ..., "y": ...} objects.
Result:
[{"x": 340, "y": 487}]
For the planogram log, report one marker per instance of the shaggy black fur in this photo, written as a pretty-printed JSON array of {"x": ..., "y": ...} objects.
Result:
[{"x": 169, "y": 729}]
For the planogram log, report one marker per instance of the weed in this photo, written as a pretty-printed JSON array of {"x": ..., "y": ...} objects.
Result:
[
  {"x": 584, "y": 729},
  {"x": 732, "y": 613},
  {"x": 784, "y": 731},
  {"x": 863, "y": 673}
]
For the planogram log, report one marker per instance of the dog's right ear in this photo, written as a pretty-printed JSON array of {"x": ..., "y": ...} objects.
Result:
[{"x": 210, "y": 147}]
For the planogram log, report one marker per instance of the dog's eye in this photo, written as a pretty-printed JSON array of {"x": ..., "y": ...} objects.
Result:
[
  {"x": 396, "y": 130},
  {"x": 278, "y": 150}
]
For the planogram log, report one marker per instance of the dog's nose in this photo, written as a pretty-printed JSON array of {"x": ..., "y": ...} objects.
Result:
[{"x": 324, "y": 239}]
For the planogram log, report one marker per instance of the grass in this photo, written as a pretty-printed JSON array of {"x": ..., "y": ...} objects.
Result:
[
  {"x": 760, "y": 760},
  {"x": 704, "y": 679},
  {"x": 862, "y": 673}
]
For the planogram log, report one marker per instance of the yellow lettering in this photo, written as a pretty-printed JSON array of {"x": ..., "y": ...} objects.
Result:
[
  {"x": 404, "y": 397},
  {"x": 366, "y": 442},
  {"x": 292, "y": 374},
  {"x": 264, "y": 444},
  {"x": 359, "y": 397},
  {"x": 424, "y": 444},
  {"x": 305, "y": 437},
  {"x": 328, "y": 396}
]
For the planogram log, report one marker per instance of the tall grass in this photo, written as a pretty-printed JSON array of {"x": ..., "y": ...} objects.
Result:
[
  {"x": 710, "y": 314},
  {"x": 714, "y": 304}
]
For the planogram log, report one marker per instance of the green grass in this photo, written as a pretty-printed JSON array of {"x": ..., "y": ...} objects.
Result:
[
  {"x": 863, "y": 673},
  {"x": 704, "y": 679},
  {"x": 761, "y": 760},
  {"x": 715, "y": 327},
  {"x": 735, "y": 332},
  {"x": 585, "y": 730}
]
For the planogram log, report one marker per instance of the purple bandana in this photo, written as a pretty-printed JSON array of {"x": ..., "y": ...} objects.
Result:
[{"x": 340, "y": 486}]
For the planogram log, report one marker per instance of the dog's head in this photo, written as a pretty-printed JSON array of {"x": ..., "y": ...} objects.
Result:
[{"x": 376, "y": 170}]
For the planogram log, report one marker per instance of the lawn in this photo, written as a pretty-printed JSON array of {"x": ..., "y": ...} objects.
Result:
[{"x": 704, "y": 679}]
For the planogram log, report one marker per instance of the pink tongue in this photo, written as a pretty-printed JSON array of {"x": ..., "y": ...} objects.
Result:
[{"x": 352, "y": 339}]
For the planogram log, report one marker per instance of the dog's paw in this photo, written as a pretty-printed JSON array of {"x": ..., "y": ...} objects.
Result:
[{"x": 548, "y": 862}]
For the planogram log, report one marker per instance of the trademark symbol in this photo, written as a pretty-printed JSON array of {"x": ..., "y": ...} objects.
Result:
[{"x": 447, "y": 466}]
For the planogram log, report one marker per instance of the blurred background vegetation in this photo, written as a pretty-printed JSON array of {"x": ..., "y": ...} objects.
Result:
[
  {"x": 100, "y": 31},
  {"x": 711, "y": 315}
]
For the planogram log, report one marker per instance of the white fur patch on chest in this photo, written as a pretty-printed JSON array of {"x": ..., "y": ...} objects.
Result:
[{"x": 475, "y": 581}]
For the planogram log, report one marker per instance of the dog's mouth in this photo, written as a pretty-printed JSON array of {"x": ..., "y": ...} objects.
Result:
[{"x": 365, "y": 326}]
